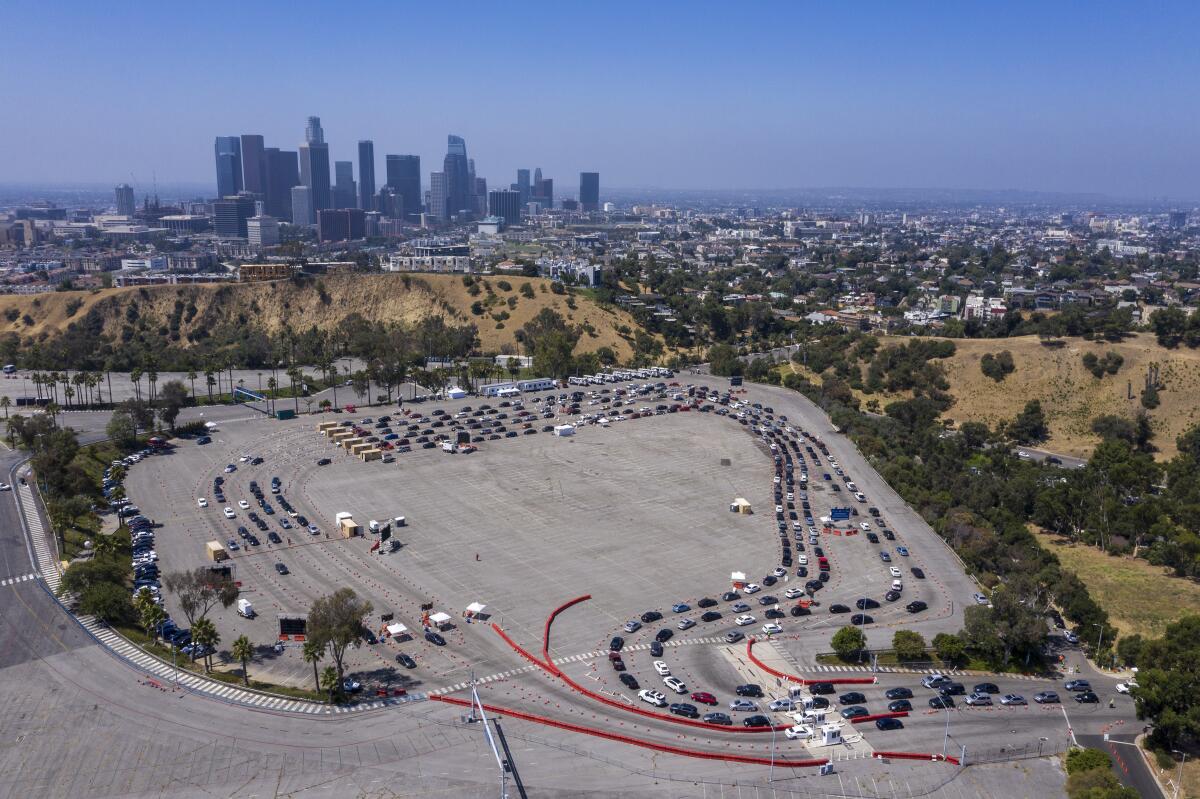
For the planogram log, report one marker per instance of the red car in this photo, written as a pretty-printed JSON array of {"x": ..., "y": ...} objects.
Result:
[{"x": 704, "y": 698}]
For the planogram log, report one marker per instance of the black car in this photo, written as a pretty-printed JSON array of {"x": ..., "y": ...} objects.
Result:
[
  {"x": 813, "y": 586},
  {"x": 775, "y": 613},
  {"x": 952, "y": 689},
  {"x": 651, "y": 615},
  {"x": 630, "y": 681},
  {"x": 798, "y": 610},
  {"x": 756, "y": 721},
  {"x": 866, "y": 604},
  {"x": 769, "y": 580},
  {"x": 616, "y": 644},
  {"x": 706, "y": 602},
  {"x": 664, "y": 635},
  {"x": 324, "y": 462},
  {"x": 838, "y": 608},
  {"x": 855, "y": 711},
  {"x": 852, "y": 698},
  {"x": 1088, "y": 697},
  {"x": 986, "y": 688},
  {"x": 892, "y": 596},
  {"x": 281, "y": 568},
  {"x": 711, "y": 615},
  {"x": 898, "y": 693},
  {"x": 899, "y": 705},
  {"x": 916, "y": 606},
  {"x": 274, "y": 538},
  {"x": 435, "y": 638},
  {"x": 889, "y": 724},
  {"x": 656, "y": 649},
  {"x": 941, "y": 702},
  {"x": 916, "y": 572},
  {"x": 767, "y": 600},
  {"x": 730, "y": 596},
  {"x": 684, "y": 709},
  {"x": 717, "y": 718},
  {"x": 822, "y": 688},
  {"x": 406, "y": 661},
  {"x": 749, "y": 689},
  {"x": 862, "y": 619}
]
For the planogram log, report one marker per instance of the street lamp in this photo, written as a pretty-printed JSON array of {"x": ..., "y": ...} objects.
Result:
[
  {"x": 1179, "y": 776},
  {"x": 1099, "y": 639},
  {"x": 771, "y": 772},
  {"x": 946, "y": 737}
]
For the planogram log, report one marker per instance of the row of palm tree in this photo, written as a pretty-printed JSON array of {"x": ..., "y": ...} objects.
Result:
[{"x": 81, "y": 384}]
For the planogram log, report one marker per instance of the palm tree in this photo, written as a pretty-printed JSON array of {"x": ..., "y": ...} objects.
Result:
[
  {"x": 5, "y": 403},
  {"x": 210, "y": 380},
  {"x": 191, "y": 376},
  {"x": 68, "y": 393},
  {"x": 205, "y": 635},
  {"x": 104, "y": 544},
  {"x": 271, "y": 386},
  {"x": 135, "y": 374},
  {"x": 108, "y": 367},
  {"x": 329, "y": 681},
  {"x": 312, "y": 654},
  {"x": 152, "y": 378},
  {"x": 243, "y": 650},
  {"x": 293, "y": 373},
  {"x": 53, "y": 409}
]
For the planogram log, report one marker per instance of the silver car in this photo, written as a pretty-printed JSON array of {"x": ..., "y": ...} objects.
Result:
[{"x": 743, "y": 705}]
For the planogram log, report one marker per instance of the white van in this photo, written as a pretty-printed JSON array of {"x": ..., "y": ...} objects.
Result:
[{"x": 245, "y": 609}]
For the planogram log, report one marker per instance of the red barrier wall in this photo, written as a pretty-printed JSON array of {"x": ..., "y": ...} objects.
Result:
[
  {"x": 802, "y": 680},
  {"x": 896, "y": 715},
  {"x": 550, "y": 620},
  {"x": 612, "y": 736}
]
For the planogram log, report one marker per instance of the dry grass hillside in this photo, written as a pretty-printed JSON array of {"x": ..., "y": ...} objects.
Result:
[
  {"x": 386, "y": 297},
  {"x": 1071, "y": 397}
]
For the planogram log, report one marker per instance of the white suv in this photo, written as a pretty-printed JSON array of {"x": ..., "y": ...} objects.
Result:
[
  {"x": 652, "y": 697},
  {"x": 675, "y": 684}
]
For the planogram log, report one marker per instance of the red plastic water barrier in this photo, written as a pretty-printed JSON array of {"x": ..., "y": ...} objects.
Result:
[
  {"x": 521, "y": 651},
  {"x": 898, "y": 714},
  {"x": 550, "y": 620},
  {"x": 612, "y": 736},
  {"x": 802, "y": 680},
  {"x": 932, "y": 757}
]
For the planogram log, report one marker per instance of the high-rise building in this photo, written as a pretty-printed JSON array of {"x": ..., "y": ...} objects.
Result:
[
  {"x": 523, "y": 184},
  {"x": 506, "y": 204},
  {"x": 456, "y": 169},
  {"x": 390, "y": 203},
  {"x": 230, "y": 215},
  {"x": 366, "y": 175},
  {"x": 344, "y": 190},
  {"x": 543, "y": 190},
  {"x": 314, "y": 164},
  {"x": 262, "y": 231},
  {"x": 481, "y": 196},
  {"x": 589, "y": 191},
  {"x": 342, "y": 224},
  {"x": 254, "y": 165},
  {"x": 439, "y": 196},
  {"x": 1177, "y": 220},
  {"x": 302, "y": 209},
  {"x": 283, "y": 172},
  {"x": 228, "y": 150},
  {"x": 404, "y": 175},
  {"x": 126, "y": 204},
  {"x": 313, "y": 132}
]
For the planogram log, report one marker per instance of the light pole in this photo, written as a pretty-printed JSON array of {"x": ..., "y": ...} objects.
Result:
[
  {"x": 771, "y": 771},
  {"x": 946, "y": 737},
  {"x": 1179, "y": 775},
  {"x": 1099, "y": 639}
]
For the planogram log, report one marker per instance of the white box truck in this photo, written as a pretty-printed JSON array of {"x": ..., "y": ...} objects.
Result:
[
  {"x": 245, "y": 609},
  {"x": 377, "y": 527}
]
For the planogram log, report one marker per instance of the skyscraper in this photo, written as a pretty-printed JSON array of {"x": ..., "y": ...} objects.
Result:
[
  {"x": 254, "y": 165},
  {"x": 126, "y": 204},
  {"x": 230, "y": 215},
  {"x": 439, "y": 196},
  {"x": 283, "y": 172},
  {"x": 523, "y": 184},
  {"x": 314, "y": 164},
  {"x": 302, "y": 210},
  {"x": 228, "y": 150},
  {"x": 589, "y": 191},
  {"x": 366, "y": 175},
  {"x": 543, "y": 190},
  {"x": 404, "y": 175},
  {"x": 344, "y": 190},
  {"x": 457, "y": 176},
  {"x": 341, "y": 224},
  {"x": 506, "y": 204}
]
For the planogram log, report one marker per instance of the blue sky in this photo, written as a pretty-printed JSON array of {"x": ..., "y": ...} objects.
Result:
[{"x": 1092, "y": 97}]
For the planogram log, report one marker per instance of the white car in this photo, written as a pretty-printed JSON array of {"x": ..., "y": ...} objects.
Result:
[
  {"x": 742, "y": 621},
  {"x": 685, "y": 624},
  {"x": 794, "y": 592},
  {"x": 229, "y": 514},
  {"x": 770, "y": 628},
  {"x": 895, "y": 572},
  {"x": 864, "y": 526},
  {"x": 796, "y": 733},
  {"x": 980, "y": 599},
  {"x": 802, "y": 560},
  {"x": 782, "y": 706},
  {"x": 752, "y": 588},
  {"x": 1071, "y": 637},
  {"x": 5, "y": 487},
  {"x": 675, "y": 684},
  {"x": 1125, "y": 687},
  {"x": 779, "y": 509},
  {"x": 662, "y": 668},
  {"x": 243, "y": 504},
  {"x": 652, "y": 697},
  {"x": 202, "y": 502}
]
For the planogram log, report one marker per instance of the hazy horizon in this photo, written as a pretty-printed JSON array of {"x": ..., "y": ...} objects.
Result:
[{"x": 777, "y": 98}]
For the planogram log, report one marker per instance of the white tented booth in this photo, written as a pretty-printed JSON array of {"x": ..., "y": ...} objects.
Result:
[
  {"x": 440, "y": 620},
  {"x": 564, "y": 429},
  {"x": 476, "y": 611},
  {"x": 454, "y": 392},
  {"x": 398, "y": 631}
]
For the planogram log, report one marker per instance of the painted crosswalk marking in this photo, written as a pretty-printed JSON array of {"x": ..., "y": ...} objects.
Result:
[{"x": 21, "y": 579}]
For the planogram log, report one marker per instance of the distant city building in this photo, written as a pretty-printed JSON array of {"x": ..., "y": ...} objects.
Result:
[
  {"x": 589, "y": 191},
  {"x": 522, "y": 185},
  {"x": 185, "y": 223},
  {"x": 254, "y": 273},
  {"x": 404, "y": 175},
  {"x": 262, "y": 231},
  {"x": 126, "y": 204},
  {"x": 230, "y": 215},
  {"x": 228, "y": 150},
  {"x": 505, "y": 204},
  {"x": 390, "y": 203},
  {"x": 254, "y": 165},
  {"x": 456, "y": 171},
  {"x": 366, "y": 175},
  {"x": 302, "y": 207},
  {"x": 314, "y": 164},
  {"x": 151, "y": 262},
  {"x": 344, "y": 189},
  {"x": 1177, "y": 220},
  {"x": 282, "y": 173},
  {"x": 439, "y": 196},
  {"x": 342, "y": 224},
  {"x": 543, "y": 191}
]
